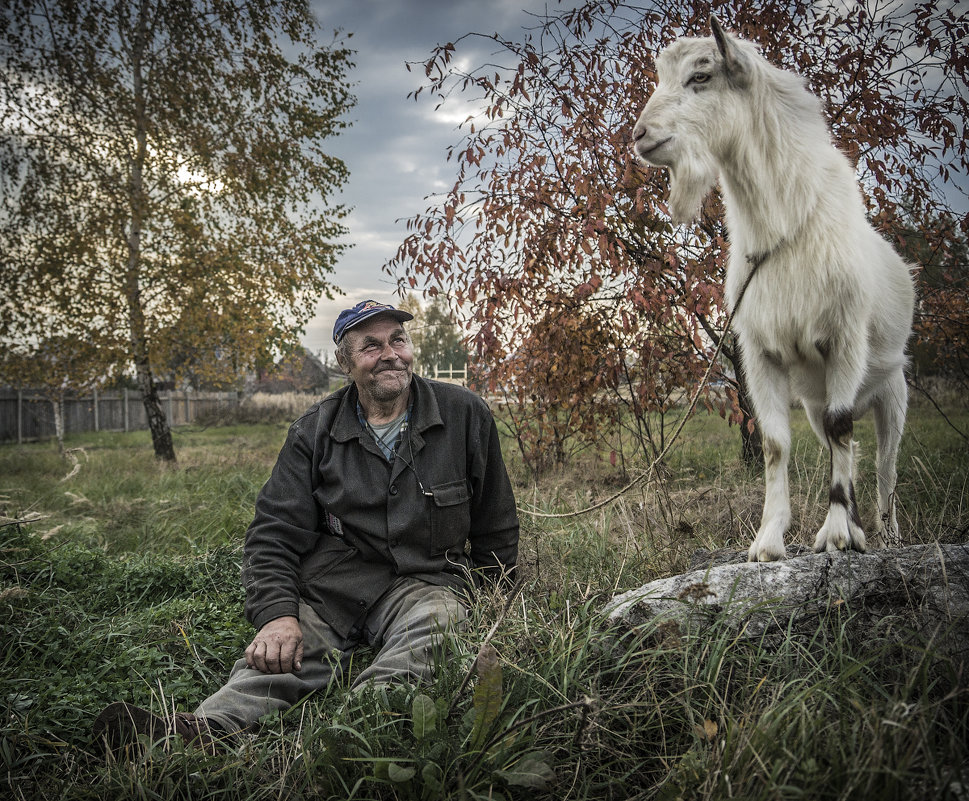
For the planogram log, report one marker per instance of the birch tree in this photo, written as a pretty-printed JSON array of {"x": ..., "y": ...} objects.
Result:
[{"x": 163, "y": 165}]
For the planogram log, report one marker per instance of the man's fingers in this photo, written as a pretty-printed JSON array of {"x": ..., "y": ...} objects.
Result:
[
  {"x": 277, "y": 648},
  {"x": 272, "y": 658},
  {"x": 287, "y": 650},
  {"x": 291, "y": 655},
  {"x": 256, "y": 655}
]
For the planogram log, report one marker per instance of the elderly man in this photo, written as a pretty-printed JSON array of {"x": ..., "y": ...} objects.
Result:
[{"x": 388, "y": 502}]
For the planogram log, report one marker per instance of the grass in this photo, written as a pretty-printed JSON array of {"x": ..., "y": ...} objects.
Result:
[
  {"x": 122, "y": 501},
  {"x": 125, "y": 586}
]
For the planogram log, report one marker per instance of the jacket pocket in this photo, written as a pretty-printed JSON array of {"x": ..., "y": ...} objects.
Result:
[
  {"x": 450, "y": 516},
  {"x": 328, "y": 554}
]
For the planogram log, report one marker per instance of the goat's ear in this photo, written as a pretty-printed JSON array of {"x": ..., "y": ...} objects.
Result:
[{"x": 734, "y": 61}]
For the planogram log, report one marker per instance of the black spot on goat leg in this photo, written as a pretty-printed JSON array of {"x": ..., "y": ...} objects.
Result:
[
  {"x": 772, "y": 454},
  {"x": 838, "y": 426},
  {"x": 838, "y": 495},
  {"x": 853, "y": 508}
]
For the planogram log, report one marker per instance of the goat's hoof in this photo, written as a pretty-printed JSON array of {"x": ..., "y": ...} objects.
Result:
[
  {"x": 768, "y": 545},
  {"x": 841, "y": 535},
  {"x": 765, "y": 554}
]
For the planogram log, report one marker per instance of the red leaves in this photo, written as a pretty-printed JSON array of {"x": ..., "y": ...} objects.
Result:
[{"x": 589, "y": 286}]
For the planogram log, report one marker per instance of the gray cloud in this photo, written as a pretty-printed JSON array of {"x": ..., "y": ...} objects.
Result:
[{"x": 396, "y": 148}]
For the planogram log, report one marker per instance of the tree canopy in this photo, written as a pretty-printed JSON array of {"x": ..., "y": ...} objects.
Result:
[
  {"x": 438, "y": 341},
  {"x": 551, "y": 224},
  {"x": 164, "y": 179}
]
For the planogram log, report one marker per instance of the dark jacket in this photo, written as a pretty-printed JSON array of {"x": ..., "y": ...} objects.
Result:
[{"x": 336, "y": 523}]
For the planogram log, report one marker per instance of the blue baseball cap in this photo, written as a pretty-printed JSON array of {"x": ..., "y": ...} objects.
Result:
[{"x": 364, "y": 310}]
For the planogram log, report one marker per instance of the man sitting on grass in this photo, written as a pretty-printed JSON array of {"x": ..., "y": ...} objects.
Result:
[{"x": 389, "y": 500}]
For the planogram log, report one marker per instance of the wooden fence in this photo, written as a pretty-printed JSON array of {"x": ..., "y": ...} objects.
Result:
[
  {"x": 26, "y": 415},
  {"x": 456, "y": 375}
]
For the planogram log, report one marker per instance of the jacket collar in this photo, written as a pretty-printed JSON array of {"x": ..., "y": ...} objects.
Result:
[{"x": 426, "y": 412}]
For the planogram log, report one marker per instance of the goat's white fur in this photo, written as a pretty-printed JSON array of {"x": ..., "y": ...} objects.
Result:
[{"x": 828, "y": 313}]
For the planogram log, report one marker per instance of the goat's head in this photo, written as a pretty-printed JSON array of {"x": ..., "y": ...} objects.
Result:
[{"x": 690, "y": 119}]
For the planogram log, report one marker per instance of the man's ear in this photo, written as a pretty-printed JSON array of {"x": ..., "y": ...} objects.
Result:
[{"x": 734, "y": 61}]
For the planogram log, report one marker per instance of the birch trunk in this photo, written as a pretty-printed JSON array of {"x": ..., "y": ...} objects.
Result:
[{"x": 161, "y": 434}]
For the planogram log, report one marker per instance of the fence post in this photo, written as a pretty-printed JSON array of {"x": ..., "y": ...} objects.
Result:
[
  {"x": 125, "y": 413},
  {"x": 96, "y": 421},
  {"x": 20, "y": 417}
]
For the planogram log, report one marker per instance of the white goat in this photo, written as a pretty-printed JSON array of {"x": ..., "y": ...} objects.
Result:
[{"x": 826, "y": 303}]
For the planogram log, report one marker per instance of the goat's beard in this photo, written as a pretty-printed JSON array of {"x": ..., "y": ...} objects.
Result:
[{"x": 691, "y": 180}]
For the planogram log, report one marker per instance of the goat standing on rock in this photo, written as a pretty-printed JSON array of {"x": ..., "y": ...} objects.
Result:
[{"x": 827, "y": 304}]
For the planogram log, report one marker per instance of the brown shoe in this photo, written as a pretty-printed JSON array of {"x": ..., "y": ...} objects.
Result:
[{"x": 119, "y": 725}]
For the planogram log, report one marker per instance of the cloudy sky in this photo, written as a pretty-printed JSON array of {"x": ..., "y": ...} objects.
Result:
[{"x": 396, "y": 149}]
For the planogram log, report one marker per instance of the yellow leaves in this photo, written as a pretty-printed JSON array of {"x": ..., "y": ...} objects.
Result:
[
  {"x": 707, "y": 730},
  {"x": 228, "y": 186},
  {"x": 13, "y": 594}
]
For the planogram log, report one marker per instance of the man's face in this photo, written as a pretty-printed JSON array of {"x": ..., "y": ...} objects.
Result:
[{"x": 381, "y": 358}]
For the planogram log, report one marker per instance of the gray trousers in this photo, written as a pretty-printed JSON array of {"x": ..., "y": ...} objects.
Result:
[{"x": 408, "y": 625}]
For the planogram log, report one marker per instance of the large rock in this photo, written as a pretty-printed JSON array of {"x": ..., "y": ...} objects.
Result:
[{"x": 899, "y": 594}]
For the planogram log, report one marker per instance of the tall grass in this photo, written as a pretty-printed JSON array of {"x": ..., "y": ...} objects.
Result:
[
  {"x": 125, "y": 586},
  {"x": 123, "y": 501}
]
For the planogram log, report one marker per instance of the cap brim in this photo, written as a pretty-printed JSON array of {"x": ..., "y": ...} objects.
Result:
[{"x": 398, "y": 314}]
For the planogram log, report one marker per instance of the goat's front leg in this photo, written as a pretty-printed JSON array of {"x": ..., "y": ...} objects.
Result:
[
  {"x": 842, "y": 529},
  {"x": 770, "y": 392}
]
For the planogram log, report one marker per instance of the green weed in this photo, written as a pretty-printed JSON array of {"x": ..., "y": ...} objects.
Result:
[{"x": 125, "y": 586}]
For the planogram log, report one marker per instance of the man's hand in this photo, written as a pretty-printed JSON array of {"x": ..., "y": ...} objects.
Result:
[{"x": 278, "y": 647}]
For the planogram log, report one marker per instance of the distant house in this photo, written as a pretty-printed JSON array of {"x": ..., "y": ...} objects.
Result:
[{"x": 302, "y": 373}]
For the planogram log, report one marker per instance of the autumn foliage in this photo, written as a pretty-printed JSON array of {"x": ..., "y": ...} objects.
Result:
[
  {"x": 941, "y": 338},
  {"x": 586, "y": 304},
  {"x": 165, "y": 194}
]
